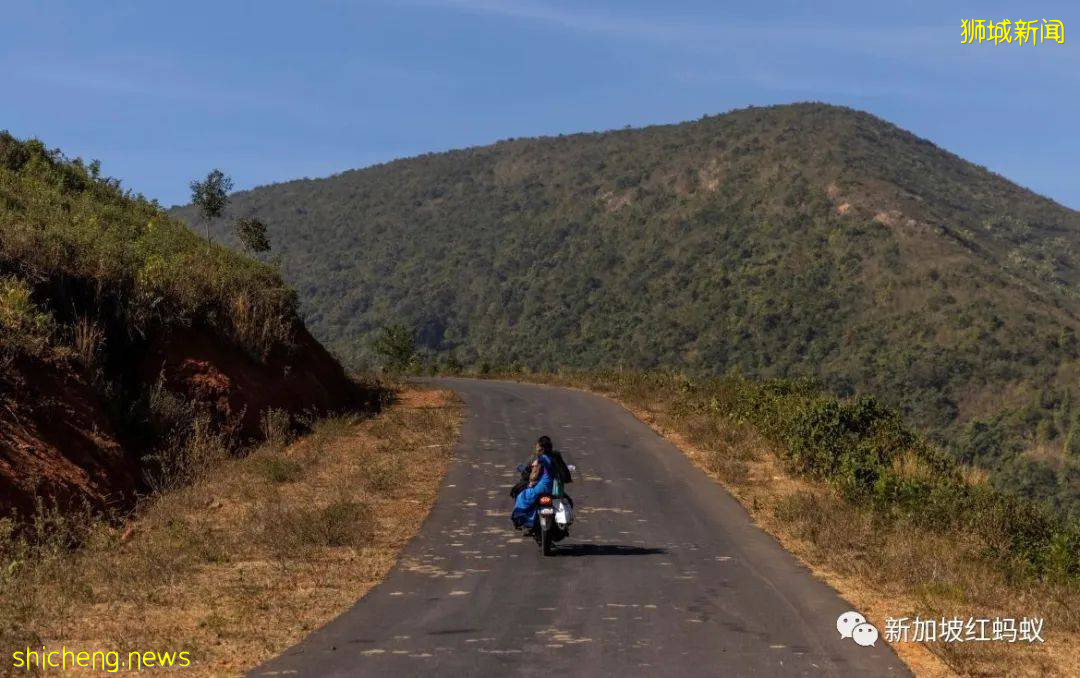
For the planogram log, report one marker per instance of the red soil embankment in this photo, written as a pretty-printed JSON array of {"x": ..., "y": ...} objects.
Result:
[
  {"x": 56, "y": 441},
  {"x": 59, "y": 445},
  {"x": 238, "y": 388}
]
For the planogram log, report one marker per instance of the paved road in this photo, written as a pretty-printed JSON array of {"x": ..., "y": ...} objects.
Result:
[{"x": 664, "y": 571}]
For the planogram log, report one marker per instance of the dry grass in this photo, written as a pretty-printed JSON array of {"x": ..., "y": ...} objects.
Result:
[
  {"x": 247, "y": 559},
  {"x": 884, "y": 569},
  {"x": 87, "y": 342}
]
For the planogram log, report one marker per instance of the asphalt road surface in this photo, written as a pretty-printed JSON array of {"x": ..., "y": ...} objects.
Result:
[{"x": 664, "y": 573}]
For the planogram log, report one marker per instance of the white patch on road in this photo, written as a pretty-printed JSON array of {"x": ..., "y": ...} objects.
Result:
[{"x": 557, "y": 636}]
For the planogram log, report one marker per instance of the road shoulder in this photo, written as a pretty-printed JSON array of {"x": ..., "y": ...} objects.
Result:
[{"x": 259, "y": 551}]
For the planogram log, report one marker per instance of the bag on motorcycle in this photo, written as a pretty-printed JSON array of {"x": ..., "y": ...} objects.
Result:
[{"x": 564, "y": 512}]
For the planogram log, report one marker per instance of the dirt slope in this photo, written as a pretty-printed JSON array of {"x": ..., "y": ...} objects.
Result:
[{"x": 59, "y": 441}]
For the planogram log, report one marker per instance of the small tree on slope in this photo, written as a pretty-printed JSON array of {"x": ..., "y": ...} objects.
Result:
[
  {"x": 397, "y": 347},
  {"x": 211, "y": 195},
  {"x": 252, "y": 234}
]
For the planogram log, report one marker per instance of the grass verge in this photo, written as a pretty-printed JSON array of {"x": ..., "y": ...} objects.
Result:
[
  {"x": 245, "y": 560},
  {"x": 872, "y": 510}
]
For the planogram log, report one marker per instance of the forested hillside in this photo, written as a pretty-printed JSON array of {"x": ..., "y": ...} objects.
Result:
[{"x": 803, "y": 240}]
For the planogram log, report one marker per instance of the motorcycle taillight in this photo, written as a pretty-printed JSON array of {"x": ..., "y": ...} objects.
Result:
[{"x": 545, "y": 501}]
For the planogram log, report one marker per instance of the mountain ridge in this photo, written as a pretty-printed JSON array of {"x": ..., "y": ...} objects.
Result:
[{"x": 803, "y": 240}]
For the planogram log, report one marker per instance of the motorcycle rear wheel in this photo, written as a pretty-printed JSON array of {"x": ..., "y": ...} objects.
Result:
[{"x": 546, "y": 547}]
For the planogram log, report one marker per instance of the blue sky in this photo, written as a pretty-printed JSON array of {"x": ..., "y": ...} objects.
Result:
[{"x": 161, "y": 92}]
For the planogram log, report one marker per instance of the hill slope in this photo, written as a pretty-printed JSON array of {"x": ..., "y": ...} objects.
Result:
[
  {"x": 127, "y": 343},
  {"x": 803, "y": 240}
]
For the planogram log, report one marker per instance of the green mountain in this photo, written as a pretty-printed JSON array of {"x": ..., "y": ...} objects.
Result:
[{"x": 803, "y": 240}]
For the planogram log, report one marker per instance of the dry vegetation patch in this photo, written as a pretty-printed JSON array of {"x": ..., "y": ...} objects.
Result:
[{"x": 246, "y": 560}]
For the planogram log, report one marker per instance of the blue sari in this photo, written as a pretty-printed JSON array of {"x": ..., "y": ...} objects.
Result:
[{"x": 524, "y": 514}]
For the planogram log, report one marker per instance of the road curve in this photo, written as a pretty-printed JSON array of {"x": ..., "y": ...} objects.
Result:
[{"x": 664, "y": 571}]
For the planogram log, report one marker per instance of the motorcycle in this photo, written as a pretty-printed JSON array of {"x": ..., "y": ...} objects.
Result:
[{"x": 555, "y": 513}]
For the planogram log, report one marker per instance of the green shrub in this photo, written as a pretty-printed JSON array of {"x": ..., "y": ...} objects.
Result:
[
  {"x": 278, "y": 469},
  {"x": 23, "y": 325}
]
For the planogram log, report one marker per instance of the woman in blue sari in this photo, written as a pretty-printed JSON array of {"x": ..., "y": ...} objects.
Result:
[{"x": 541, "y": 482}]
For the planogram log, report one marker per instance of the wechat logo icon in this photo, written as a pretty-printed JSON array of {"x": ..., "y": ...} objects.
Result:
[{"x": 853, "y": 625}]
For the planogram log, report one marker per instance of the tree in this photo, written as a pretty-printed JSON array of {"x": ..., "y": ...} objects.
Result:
[
  {"x": 397, "y": 347},
  {"x": 211, "y": 195},
  {"x": 252, "y": 234}
]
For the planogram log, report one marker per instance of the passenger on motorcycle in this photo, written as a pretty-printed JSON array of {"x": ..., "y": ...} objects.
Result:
[{"x": 541, "y": 481}]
